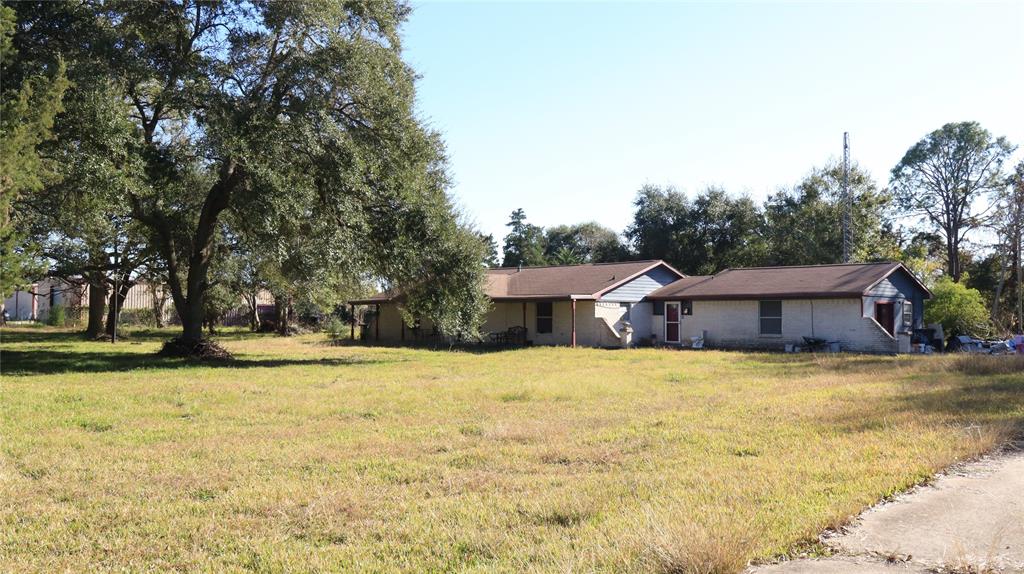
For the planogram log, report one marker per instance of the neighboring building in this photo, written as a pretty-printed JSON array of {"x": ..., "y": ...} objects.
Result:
[
  {"x": 33, "y": 302},
  {"x": 865, "y": 307},
  {"x": 564, "y": 305}
]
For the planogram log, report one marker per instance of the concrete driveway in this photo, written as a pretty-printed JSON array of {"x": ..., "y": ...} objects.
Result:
[{"x": 969, "y": 521}]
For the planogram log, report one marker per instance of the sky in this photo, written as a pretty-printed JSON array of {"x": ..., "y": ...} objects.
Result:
[{"x": 567, "y": 109}]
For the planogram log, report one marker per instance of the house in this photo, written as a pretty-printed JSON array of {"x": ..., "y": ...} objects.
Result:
[
  {"x": 560, "y": 305},
  {"x": 864, "y": 307}
]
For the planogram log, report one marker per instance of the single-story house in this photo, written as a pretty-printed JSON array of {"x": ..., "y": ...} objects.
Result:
[
  {"x": 558, "y": 305},
  {"x": 864, "y": 307}
]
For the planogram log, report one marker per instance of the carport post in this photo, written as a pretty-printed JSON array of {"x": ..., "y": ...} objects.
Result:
[
  {"x": 352, "y": 330},
  {"x": 524, "y": 314},
  {"x": 376, "y": 324},
  {"x": 574, "y": 323}
]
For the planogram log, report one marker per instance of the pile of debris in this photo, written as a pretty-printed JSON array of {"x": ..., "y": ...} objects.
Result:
[{"x": 967, "y": 344}]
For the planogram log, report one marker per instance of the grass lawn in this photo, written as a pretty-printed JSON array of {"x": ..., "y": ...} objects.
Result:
[{"x": 301, "y": 456}]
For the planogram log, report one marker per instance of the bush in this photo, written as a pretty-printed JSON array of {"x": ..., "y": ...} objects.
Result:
[
  {"x": 136, "y": 318},
  {"x": 335, "y": 329},
  {"x": 960, "y": 310},
  {"x": 57, "y": 316}
]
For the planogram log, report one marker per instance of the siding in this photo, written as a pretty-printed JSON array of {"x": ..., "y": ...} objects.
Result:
[
  {"x": 640, "y": 287},
  {"x": 734, "y": 324},
  {"x": 591, "y": 323}
]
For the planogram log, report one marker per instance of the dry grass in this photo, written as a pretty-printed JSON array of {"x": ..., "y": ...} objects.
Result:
[
  {"x": 302, "y": 456},
  {"x": 990, "y": 364}
]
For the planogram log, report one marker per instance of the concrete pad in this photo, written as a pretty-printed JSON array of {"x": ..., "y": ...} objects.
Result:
[
  {"x": 838, "y": 565},
  {"x": 973, "y": 515},
  {"x": 970, "y": 519}
]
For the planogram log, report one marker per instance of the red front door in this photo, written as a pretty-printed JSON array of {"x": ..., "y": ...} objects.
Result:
[
  {"x": 884, "y": 315},
  {"x": 671, "y": 322}
]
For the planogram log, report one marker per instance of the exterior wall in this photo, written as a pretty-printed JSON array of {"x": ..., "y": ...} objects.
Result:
[
  {"x": 901, "y": 290},
  {"x": 592, "y": 323},
  {"x": 641, "y": 286},
  {"x": 391, "y": 328},
  {"x": 734, "y": 324}
]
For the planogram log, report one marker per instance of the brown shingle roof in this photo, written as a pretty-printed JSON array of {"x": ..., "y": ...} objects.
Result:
[
  {"x": 804, "y": 281},
  {"x": 586, "y": 281}
]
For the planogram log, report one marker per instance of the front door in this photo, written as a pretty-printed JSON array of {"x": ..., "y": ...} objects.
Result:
[
  {"x": 671, "y": 322},
  {"x": 884, "y": 315}
]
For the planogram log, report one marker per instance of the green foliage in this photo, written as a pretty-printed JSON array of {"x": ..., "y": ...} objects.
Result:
[
  {"x": 490, "y": 250},
  {"x": 29, "y": 101},
  {"x": 960, "y": 309},
  {"x": 583, "y": 243},
  {"x": 940, "y": 178},
  {"x": 525, "y": 243},
  {"x": 803, "y": 226},
  {"x": 57, "y": 316},
  {"x": 287, "y": 126},
  {"x": 703, "y": 236},
  {"x": 336, "y": 328}
]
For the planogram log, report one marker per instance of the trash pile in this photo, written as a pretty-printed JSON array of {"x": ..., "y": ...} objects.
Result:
[{"x": 967, "y": 344}]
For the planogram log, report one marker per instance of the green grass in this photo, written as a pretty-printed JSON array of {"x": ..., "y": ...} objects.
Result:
[{"x": 302, "y": 456}]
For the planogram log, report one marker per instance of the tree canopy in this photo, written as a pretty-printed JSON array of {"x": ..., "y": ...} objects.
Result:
[
  {"x": 284, "y": 115},
  {"x": 941, "y": 177}
]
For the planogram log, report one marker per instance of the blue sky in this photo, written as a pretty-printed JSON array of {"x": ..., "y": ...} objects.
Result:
[{"x": 566, "y": 109}]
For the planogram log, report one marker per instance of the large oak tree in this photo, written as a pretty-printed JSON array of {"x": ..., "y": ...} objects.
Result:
[{"x": 275, "y": 111}]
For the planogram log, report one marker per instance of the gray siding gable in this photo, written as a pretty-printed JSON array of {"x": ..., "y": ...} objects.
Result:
[
  {"x": 639, "y": 287},
  {"x": 901, "y": 286}
]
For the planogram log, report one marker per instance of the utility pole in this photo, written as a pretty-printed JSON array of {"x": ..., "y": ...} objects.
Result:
[{"x": 847, "y": 201}]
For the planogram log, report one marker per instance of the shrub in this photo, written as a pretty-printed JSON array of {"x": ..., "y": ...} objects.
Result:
[
  {"x": 57, "y": 317},
  {"x": 136, "y": 318},
  {"x": 335, "y": 329},
  {"x": 960, "y": 310}
]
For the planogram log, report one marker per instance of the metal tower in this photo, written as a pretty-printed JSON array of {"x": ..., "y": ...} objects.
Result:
[{"x": 847, "y": 201}]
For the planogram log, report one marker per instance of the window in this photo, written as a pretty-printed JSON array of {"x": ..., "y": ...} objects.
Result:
[
  {"x": 770, "y": 317},
  {"x": 686, "y": 307},
  {"x": 908, "y": 315},
  {"x": 544, "y": 317}
]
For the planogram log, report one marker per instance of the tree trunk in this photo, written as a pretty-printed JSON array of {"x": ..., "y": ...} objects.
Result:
[
  {"x": 189, "y": 297},
  {"x": 254, "y": 312},
  {"x": 116, "y": 302},
  {"x": 282, "y": 305},
  {"x": 953, "y": 253},
  {"x": 97, "y": 302},
  {"x": 159, "y": 299}
]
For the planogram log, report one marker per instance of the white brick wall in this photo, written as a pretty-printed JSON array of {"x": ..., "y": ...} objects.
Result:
[{"x": 734, "y": 324}]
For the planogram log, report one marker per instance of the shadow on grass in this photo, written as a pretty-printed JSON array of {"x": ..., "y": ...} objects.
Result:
[
  {"x": 46, "y": 361},
  {"x": 43, "y": 354}
]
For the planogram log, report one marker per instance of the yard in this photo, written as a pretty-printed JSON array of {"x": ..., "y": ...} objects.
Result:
[{"x": 302, "y": 456}]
